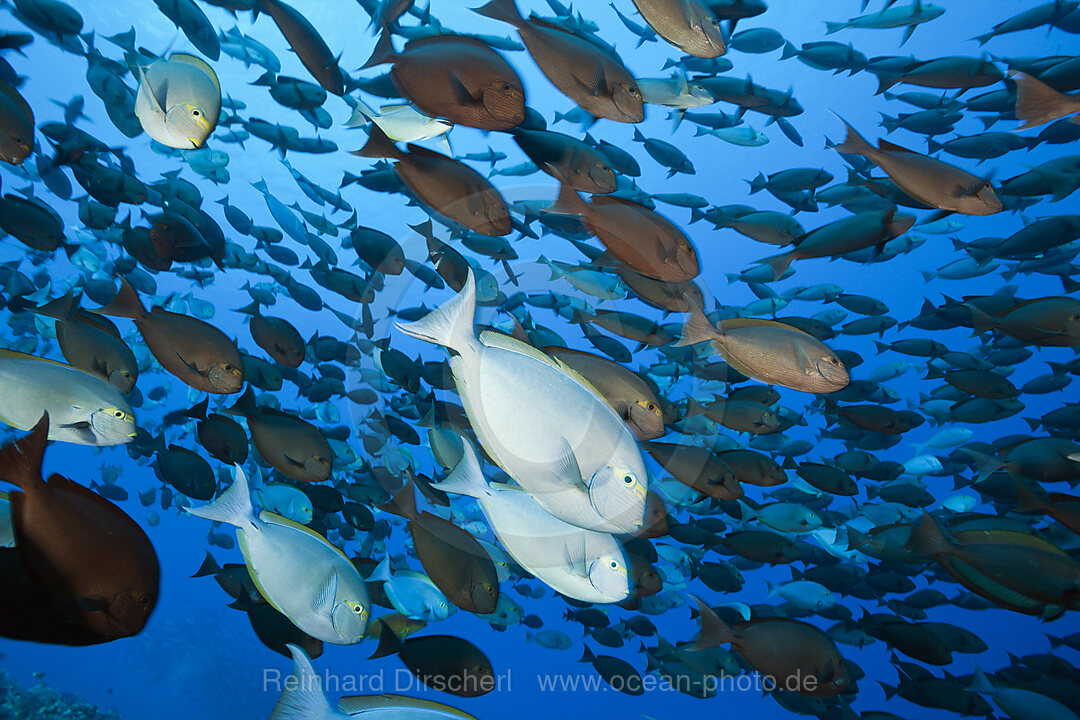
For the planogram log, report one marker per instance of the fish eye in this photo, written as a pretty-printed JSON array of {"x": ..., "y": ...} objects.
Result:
[
  {"x": 614, "y": 564},
  {"x": 628, "y": 479},
  {"x": 633, "y": 91},
  {"x": 195, "y": 113},
  {"x": 358, "y": 609},
  {"x": 834, "y": 361},
  {"x": 118, "y": 413}
]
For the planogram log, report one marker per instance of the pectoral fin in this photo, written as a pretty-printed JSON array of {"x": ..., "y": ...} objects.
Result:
[{"x": 324, "y": 601}]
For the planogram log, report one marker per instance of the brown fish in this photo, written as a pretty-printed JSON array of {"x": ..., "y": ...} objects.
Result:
[
  {"x": 444, "y": 185},
  {"x": 306, "y": 42},
  {"x": 793, "y": 655},
  {"x": 642, "y": 239},
  {"x": 457, "y": 78},
  {"x": 592, "y": 76},
  {"x": 625, "y": 391},
  {"x": 16, "y": 125},
  {"x": 453, "y": 559},
  {"x": 289, "y": 444},
  {"x": 194, "y": 351},
  {"x": 276, "y": 336},
  {"x": 442, "y": 662},
  {"x": 689, "y": 25},
  {"x": 697, "y": 468},
  {"x": 92, "y": 343},
  {"x": 77, "y": 544},
  {"x": 1038, "y": 103}
]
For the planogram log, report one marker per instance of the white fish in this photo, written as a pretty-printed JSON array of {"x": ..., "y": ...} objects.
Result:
[
  {"x": 303, "y": 699},
  {"x": 302, "y": 575},
  {"x": 742, "y": 136},
  {"x": 83, "y": 409},
  {"x": 592, "y": 282},
  {"x": 541, "y": 422},
  {"x": 675, "y": 92},
  {"x": 581, "y": 564},
  {"x": 179, "y": 101},
  {"x": 401, "y": 123},
  {"x": 804, "y": 594},
  {"x": 413, "y": 594}
]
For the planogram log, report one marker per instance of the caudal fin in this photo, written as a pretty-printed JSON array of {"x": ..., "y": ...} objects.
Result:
[
  {"x": 714, "y": 631},
  {"x": 1038, "y": 103},
  {"x": 466, "y": 478},
  {"x": 696, "y": 328},
  {"x": 20, "y": 461},
  {"x": 303, "y": 698},
  {"x": 125, "y": 304},
  {"x": 378, "y": 145},
  {"x": 854, "y": 143},
  {"x": 779, "y": 263},
  {"x": 505, "y": 10},
  {"x": 451, "y": 324},
  {"x": 233, "y": 506}
]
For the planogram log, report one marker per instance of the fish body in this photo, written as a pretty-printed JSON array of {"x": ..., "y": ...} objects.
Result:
[
  {"x": 84, "y": 409},
  {"x": 179, "y": 101},
  {"x": 570, "y": 448},
  {"x": 582, "y": 564},
  {"x": 301, "y": 574}
]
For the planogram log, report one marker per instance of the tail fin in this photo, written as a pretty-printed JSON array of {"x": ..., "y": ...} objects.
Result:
[
  {"x": 714, "y": 631},
  {"x": 568, "y": 202},
  {"x": 378, "y": 145},
  {"x": 505, "y": 10},
  {"x": 20, "y": 461},
  {"x": 209, "y": 566},
  {"x": 1038, "y": 103},
  {"x": 383, "y": 52},
  {"x": 779, "y": 263},
  {"x": 62, "y": 308},
  {"x": 125, "y": 304},
  {"x": 696, "y": 328},
  {"x": 403, "y": 504},
  {"x": 466, "y": 478},
  {"x": 928, "y": 539},
  {"x": 361, "y": 115},
  {"x": 303, "y": 699},
  {"x": 451, "y": 324},
  {"x": 244, "y": 405},
  {"x": 233, "y": 506},
  {"x": 854, "y": 143},
  {"x": 831, "y": 27}
]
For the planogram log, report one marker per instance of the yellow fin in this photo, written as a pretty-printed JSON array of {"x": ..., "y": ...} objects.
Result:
[
  {"x": 240, "y": 536},
  {"x": 505, "y": 342},
  {"x": 15, "y": 355},
  {"x": 274, "y": 519}
]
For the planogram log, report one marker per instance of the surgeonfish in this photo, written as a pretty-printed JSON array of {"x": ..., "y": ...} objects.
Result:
[
  {"x": 179, "y": 101},
  {"x": 301, "y": 574}
]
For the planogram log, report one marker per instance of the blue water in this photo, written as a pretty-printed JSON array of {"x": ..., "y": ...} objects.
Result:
[{"x": 197, "y": 658}]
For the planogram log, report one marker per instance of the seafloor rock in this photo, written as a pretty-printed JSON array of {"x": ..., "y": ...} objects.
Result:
[{"x": 44, "y": 703}]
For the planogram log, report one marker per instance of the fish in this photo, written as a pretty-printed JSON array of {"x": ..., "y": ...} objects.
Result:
[
  {"x": 572, "y": 448},
  {"x": 402, "y": 123},
  {"x": 445, "y": 185},
  {"x": 16, "y": 125},
  {"x": 306, "y": 42},
  {"x": 443, "y": 662},
  {"x": 583, "y": 564},
  {"x": 592, "y": 76},
  {"x": 927, "y": 179},
  {"x": 86, "y": 410},
  {"x": 298, "y": 572},
  {"x": 1037, "y": 103},
  {"x": 457, "y": 78},
  {"x": 179, "y": 101},
  {"x": 293, "y": 446},
  {"x": 769, "y": 351},
  {"x": 195, "y": 352},
  {"x": 89, "y": 343},
  {"x": 644, "y": 240},
  {"x": 453, "y": 559},
  {"x": 305, "y": 699},
  {"x": 689, "y": 25},
  {"x": 78, "y": 547},
  {"x": 796, "y": 656}
]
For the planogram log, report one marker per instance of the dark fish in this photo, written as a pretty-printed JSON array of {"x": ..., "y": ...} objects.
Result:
[
  {"x": 689, "y": 25},
  {"x": 590, "y": 74},
  {"x": 16, "y": 125},
  {"x": 795, "y": 656},
  {"x": 77, "y": 545},
  {"x": 289, "y": 444},
  {"x": 644, "y": 240},
  {"x": 306, "y": 42},
  {"x": 452, "y": 558},
  {"x": 444, "y": 185},
  {"x": 91, "y": 343},
  {"x": 186, "y": 471},
  {"x": 442, "y": 662},
  {"x": 192, "y": 350},
  {"x": 619, "y": 674},
  {"x": 276, "y": 336},
  {"x": 568, "y": 160},
  {"x": 458, "y": 78}
]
